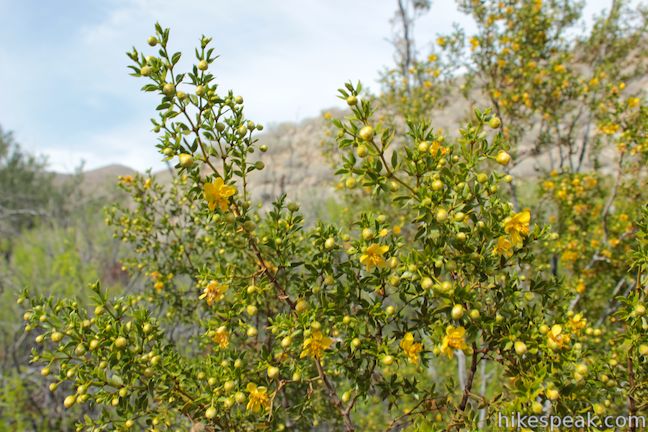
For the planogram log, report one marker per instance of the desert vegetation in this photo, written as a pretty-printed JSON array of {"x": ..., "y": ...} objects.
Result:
[{"x": 479, "y": 247}]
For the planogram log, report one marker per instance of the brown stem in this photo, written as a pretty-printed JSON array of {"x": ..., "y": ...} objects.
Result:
[
  {"x": 348, "y": 424},
  {"x": 471, "y": 378}
]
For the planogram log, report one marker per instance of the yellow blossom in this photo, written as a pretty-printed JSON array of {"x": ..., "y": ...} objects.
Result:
[
  {"x": 221, "y": 337},
  {"x": 411, "y": 348},
  {"x": 258, "y": 398},
  {"x": 373, "y": 256},
  {"x": 577, "y": 322},
  {"x": 218, "y": 193},
  {"x": 503, "y": 247},
  {"x": 609, "y": 129},
  {"x": 315, "y": 345},
  {"x": 556, "y": 339},
  {"x": 474, "y": 43},
  {"x": 517, "y": 226},
  {"x": 548, "y": 185},
  {"x": 214, "y": 292},
  {"x": 126, "y": 179},
  {"x": 453, "y": 340}
]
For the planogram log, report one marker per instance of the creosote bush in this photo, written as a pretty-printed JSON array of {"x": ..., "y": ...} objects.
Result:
[{"x": 259, "y": 320}]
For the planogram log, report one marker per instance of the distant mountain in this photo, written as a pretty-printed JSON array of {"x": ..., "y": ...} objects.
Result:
[{"x": 295, "y": 163}]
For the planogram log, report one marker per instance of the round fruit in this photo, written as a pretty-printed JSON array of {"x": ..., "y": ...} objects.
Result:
[
  {"x": 200, "y": 90},
  {"x": 210, "y": 413},
  {"x": 441, "y": 215},
  {"x": 426, "y": 283},
  {"x": 352, "y": 100},
  {"x": 367, "y": 234},
  {"x": 503, "y": 158},
  {"x": 285, "y": 342},
  {"x": 366, "y": 133},
  {"x": 329, "y": 243},
  {"x": 346, "y": 396},
  {"x": 69, "y": 401},
  {"x": 203, "y": 65},
  {"x": 520, "y": 347},
  {"x": 301, "y": 306},
  {"x": 146, "y": 71},
  {"x": 388, "y": 360},
  {"x": 152, "y": 41},
  {"x": 437, "y": 185},
  {"x": 494, "y": 122},
  {"x": 57, "y": 337},
  {"x": 168, "y": 89},
  {"x": 186, "y": 160},
  {"x": 362, "y": 150},
  {"x": 457, "y": 312},
  {"x": 273, "y": 372},
  {"x": 228, "y": 386},
  {"x": 120, "y": 342}
]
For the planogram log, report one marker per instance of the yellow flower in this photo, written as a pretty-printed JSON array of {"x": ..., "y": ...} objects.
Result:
[
  {"x": 373, "y": 256},
  {"x": 548, "y": 185},
  {"x": 126, "y": 179},
  {"x": 315, "y": 345},
  {"x": 517, "y": 226},
  {"x": 633, "y": 102},
  {"x": 609, "y": 129},
  {"x": 503, "y": 247},
  {"x": 217, "y": 194},
  {"x": 454, "y": 339},
  {"x": 411, "y": 348},
  {"x": 213, "y": 292},
  {"x": 474, "y": 43},
  {"x": 221, "y": 337},
  {"x": 577, "y": 322},
  {"x": 556, "y": 339},
  {"x": 258, "y": 398}
]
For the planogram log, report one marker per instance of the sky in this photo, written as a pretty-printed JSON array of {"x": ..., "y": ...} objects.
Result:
[{"x": 66, "y": 94}]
